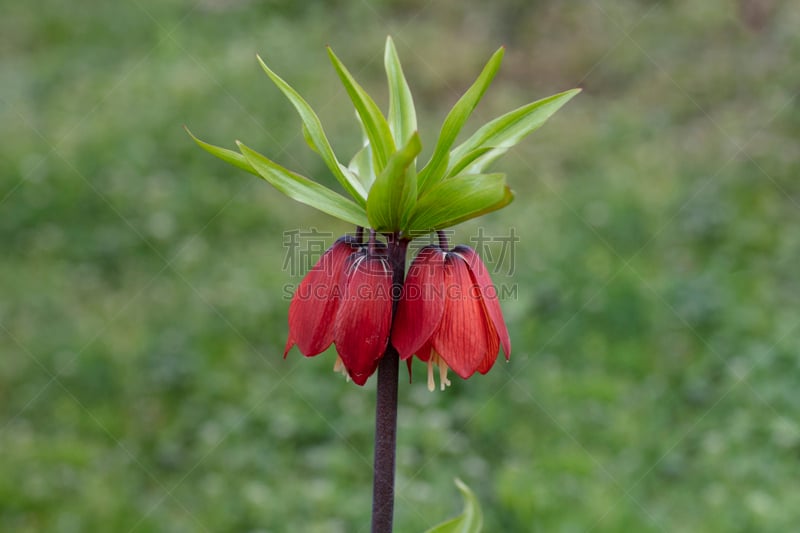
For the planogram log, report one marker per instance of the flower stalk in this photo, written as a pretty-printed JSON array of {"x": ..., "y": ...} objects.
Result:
[{"x": 386, "y": 406}]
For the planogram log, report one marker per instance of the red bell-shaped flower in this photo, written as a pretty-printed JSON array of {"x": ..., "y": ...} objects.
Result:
[
  {"x": 313, "y": 309},
  {"x": 364, "y": 319},
  {"x": 346, "y": 300},
  {"x": 449, "y": 314}
]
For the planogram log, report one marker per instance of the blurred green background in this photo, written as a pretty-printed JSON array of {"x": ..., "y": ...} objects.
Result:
[{"x": 654, "y": 382}]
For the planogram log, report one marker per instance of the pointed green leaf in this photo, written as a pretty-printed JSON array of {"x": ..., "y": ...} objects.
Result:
[
  {"x": 361, "y": 166},
  {"x": 229, "y": 156},
  {"x": 402, "y": 115},
  {"x": 310, "y": 140},
  {"x": 508, "y": 197},
  {"x": 496, "y": 137},
  {"x": 436, "y": 167},
  {"x": 394, "y": 192},
  {"x": 305, "y": 190},
  {"x": 471, "y": 518},
  {"x": 458, "y": 199},
  {"x": 315, "y": 136},
  {"x": 378, "y": 132},
  {"x": 361, "y": 163},
  {"x": 364, "y": 137},
  {"x": 458, "y": 166}
]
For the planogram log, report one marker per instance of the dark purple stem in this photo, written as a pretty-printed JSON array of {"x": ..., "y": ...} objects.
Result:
[
  {"x": 442, "y": 240},
  {"x": 386, "y": 406}
]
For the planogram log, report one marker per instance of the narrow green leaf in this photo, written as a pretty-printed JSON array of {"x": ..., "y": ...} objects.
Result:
[
  {"x": 364, "y": 138},
  {"x": 459, "y": 166},
  {"x": 310, "y": 140},
  {"x": 508, "y": 197},
  {"x": 305, "y": 190},
  {"x": 402, "y": 115},
  {"x": 315, "y": 136},
  {"x": 436, "y": 167},
  {"x": 458, "y": 199},
  {"x": 471, "y": 518},
  {"x": 378, "y": 132},
  {"x": 361, "y": 166},
  {"x": 495, "y": 138},
  {"x": 394, "y": 192},
  {"x": 229, "y": 156}
]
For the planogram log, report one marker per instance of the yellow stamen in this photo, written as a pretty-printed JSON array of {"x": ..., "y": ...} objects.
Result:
[
  {"x": 339, "y": 368},
  {"x": 443, "y": 368},
  {"x": 437, "y": 360}
]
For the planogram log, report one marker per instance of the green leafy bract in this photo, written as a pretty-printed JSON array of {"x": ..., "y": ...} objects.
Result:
[
  {"x": 458, "y": 199},
  {"x": 390, "y": 196},
  {"x": 471, "y": 518},
  {"x": 394, "y": 192},
  {"x": 361, "y": 166},
  {"x": 495, "y": 138},
  {"x": 375, "y": 125},
  {"x": 229, "y": 156},
  {"x": 361, "y": 163},
  {"x": 438, "y": 164},
  {"x": 303, "y": 189},
  {"x": 402, "y": 115},
  {"x": 315, "y": 136}
]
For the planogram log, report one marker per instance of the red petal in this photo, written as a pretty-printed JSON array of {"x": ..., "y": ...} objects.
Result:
[
  {"x": 465, "y": 339},
  {"x": 492, "y": 350},
  {"x": 421, "y": 306},
  {"x": 488, "y": 294},
  {"x": 424, "y": 353},
  {"x": 364, "y": 318},
  {"x": 314, "y": 304}
]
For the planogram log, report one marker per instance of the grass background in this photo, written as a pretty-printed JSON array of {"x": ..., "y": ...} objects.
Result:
[{"x": 655, "y": 375}]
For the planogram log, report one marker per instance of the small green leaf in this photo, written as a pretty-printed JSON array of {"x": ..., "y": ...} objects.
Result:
[
  {"x": 458, "y": 199},
  {"x": 305, "y": 190},
  {"x": 394, "y": 192},
  {"x": 402, "y": 115},
  {"x": 436, "y": 167},
  {"x": 508, "y": 197},
  {"x": 495, "y": 138},
  {"x": 378, "y": 132},
  {"x": 229, "y": 156},
  {"x": 315, "y": 136},
  {"x": 471, "y": 518},
  {"x": 361, "y": 166}
]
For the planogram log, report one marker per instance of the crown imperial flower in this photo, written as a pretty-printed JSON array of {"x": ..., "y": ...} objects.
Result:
[
  {"x": 446, "y": 312},
  {"x": 316, "y": 301},
  {"x": 346, "y": 300},
  {"x": 455, "y": 320},
  {"x": 449, "y": 315},
  {"x": 364, "y": 318}
]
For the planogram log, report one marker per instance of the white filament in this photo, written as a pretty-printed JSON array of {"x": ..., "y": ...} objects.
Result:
[{"x": 443, "y": 368}]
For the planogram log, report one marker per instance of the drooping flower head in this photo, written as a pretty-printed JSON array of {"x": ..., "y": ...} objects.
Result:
[
  {"x": 449, "y": 315},
  {"x": 316, "y": 300},
  {"x": 346, "y": 300},
  {"x": 364, "y": 318}
]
